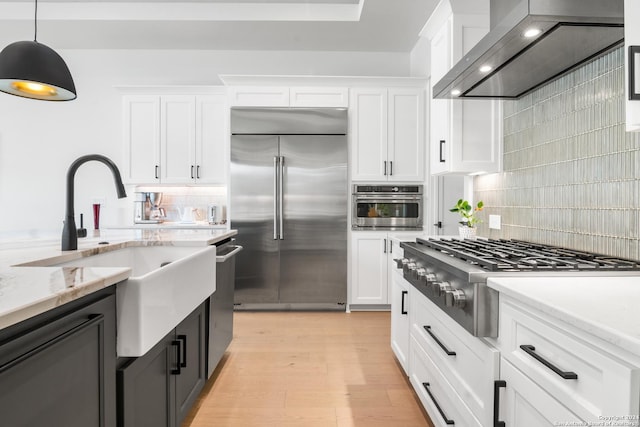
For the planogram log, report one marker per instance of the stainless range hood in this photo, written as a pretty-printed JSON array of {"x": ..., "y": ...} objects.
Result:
[{"x": 572, "y": 32}]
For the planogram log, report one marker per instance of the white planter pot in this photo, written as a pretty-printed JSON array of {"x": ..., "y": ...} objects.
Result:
[{"x": 467, "y": 232}]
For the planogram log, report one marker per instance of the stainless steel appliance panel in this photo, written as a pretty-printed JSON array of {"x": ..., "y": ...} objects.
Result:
[
  {"x": 288, "y": 203},
  {"x": 253, "y": 198},
  {"x": 289, "y": 121},
  {"x": 313, "y": 245}
]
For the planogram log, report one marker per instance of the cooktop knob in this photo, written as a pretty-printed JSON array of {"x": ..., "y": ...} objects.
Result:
[
  {"x": 400, "y": 262},
  {"x": 455, "y": 298},
  {"x": 430, "y": 277},
  {"x": 420, "y": 273},
  {"x": 439, "y": 288},
  {"x": 409, "y": 267}
]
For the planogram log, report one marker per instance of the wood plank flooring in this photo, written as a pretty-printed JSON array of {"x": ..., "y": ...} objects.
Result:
[{"x": 309, "y": 369}]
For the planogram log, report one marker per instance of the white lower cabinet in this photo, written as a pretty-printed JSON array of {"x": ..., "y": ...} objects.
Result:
[
  {"x": 586, "y": 381},
  {"x": 400, "y": 323},
  {"x": 370, "y": 271},
  {"x": 539, "y": 372},
  {"x": 440, "y": 399},
  {"x": 468, "y": 364},
  {"x": 524, "y": 403}
]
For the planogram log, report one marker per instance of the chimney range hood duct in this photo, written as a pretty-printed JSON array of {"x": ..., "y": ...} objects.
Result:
[{"x": 572, "y": 32}]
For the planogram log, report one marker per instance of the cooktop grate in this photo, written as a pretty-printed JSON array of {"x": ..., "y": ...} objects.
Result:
[{"x": 516, "y": 255}]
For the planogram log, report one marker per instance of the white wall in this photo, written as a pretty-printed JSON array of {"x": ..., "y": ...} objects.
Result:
[
  {"x": 39, "y": 140},
  {"x": 420, "y": 58}
]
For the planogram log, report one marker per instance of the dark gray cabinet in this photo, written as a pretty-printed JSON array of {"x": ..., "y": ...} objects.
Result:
[
  {"x": 58, "y": 369},
  {"x": 159, "y": 388}
]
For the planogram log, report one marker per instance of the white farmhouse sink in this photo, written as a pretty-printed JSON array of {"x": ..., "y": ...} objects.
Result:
[{"x": 155, "y": 298}]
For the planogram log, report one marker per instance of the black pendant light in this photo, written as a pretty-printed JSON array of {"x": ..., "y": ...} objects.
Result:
[{"x": 33, "y": 70}]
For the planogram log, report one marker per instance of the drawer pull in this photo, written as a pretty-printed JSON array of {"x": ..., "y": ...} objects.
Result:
[
  {"x": 567, "y": 375},
  {"x": 442, "y": 346},
  {"x": 497, "y": 385},
  {"x": 435, "y": 402},
  {"x": 403, "y": 310},
  {"x": 178, "y": 345}
]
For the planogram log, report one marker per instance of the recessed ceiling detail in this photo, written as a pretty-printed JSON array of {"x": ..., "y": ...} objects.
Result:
[{"x": 327, "y": 10}]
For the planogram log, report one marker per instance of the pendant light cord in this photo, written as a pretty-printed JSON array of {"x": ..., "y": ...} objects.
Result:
[{"x": 35, "y": 23}]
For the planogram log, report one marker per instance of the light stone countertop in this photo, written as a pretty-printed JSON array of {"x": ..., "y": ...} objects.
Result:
[
  {"x": 605, "y": 307},
  {"x": 28, "y": 287}
]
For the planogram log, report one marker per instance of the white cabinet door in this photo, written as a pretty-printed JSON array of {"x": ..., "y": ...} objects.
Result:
[
  {"x": 212, "y": 136},
  {"x": 400, "y": 324},
  {"x": 523, "y": 403},
  {"x": 177, "y": 139},
  {"x": 368, "y": 130},
  {"x": 369, "y": 268},
  {"x": 319, "y": 97},
  {"x": 405, "y": 150},
  {"x": 465, "y": 135},
  {"x": 632, "y": 38},
  {"x": 141, "y": 134},
  {"x": 258, "y": 96}
]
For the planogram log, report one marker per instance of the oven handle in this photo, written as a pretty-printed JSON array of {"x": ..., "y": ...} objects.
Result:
[
  {"x": 387, "y": 197},
  {"x": 442, "y": 346},
  {"x": 530, "y": 350}
]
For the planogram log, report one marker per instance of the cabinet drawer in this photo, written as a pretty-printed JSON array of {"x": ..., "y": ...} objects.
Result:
[
  {"x": 468, "y": 363},
  {"x": 582, "y": 377},
  {"x": 523, "y": 403},
  {"x": 437, "y": 396}
]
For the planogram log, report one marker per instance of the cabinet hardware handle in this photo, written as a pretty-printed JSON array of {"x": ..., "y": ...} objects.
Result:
[
  {"x": 183, "y": 359},
  {"x": 385, "y": 168},
  {"x": 191, "y": 171},
  {"x": 633, "y": 52},
  {"x": 93, "y": 320},
  {"x": 438, "y": 224},
  {"x": 281, "y": 198},
  {"x": 384, "y": 247},
  {"x": 530, "y": 350},
  {"x": 435, "y": 402},
  {"x": 177, "y": 344},
  {"x": 497, "y": 384},
  {"x": 198, "y": 172},
  {"x": 442, "y": 142},
  {"x": 390, "y": 167},
  {"x": 157, "y": 172},
  {"x": 403, "y": 309},
  {"x": 390, "y": 246},
  {"x": 442, "y": 346},
  {"x": 276, "y": 163}
]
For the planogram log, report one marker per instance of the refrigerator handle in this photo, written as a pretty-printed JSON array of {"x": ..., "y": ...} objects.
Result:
[
  {"x": 276, "y": 161},
  {"x": 281, "y": 197}
]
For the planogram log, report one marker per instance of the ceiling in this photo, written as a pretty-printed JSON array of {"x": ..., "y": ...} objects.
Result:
[{"x": 304, "y": 25}]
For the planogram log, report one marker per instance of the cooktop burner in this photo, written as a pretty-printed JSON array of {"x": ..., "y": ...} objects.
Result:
[{"x": 514, "y": 255}]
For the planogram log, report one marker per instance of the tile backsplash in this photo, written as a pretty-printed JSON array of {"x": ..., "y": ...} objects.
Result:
[{"x": 571, "y": 174}]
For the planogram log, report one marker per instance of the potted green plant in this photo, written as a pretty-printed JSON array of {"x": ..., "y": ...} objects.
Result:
[{"x": 469, "y": 219}]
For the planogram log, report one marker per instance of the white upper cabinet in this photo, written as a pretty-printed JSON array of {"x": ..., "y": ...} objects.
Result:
[
  {"x": 141, "y": 128},
  {"x": 465, "y": 135},
  {"x": 632, "y": 61},
  {"x": 176, "y": 139},
  {"x": 279, "y": 96},
  {"x": 387, "y": 134}
]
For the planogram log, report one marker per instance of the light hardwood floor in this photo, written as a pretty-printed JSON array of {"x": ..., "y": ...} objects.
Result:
[{"x": 309, "y": 369}]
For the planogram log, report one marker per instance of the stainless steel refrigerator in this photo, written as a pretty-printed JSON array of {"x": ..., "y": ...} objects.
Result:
[{"x": 289, "y": 196}]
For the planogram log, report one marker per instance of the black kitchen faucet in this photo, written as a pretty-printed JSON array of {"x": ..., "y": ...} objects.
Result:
[{"x": 69, "y": 231}]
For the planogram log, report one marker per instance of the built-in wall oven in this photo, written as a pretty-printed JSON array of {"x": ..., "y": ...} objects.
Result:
[{"x": 387, "y": 207}]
